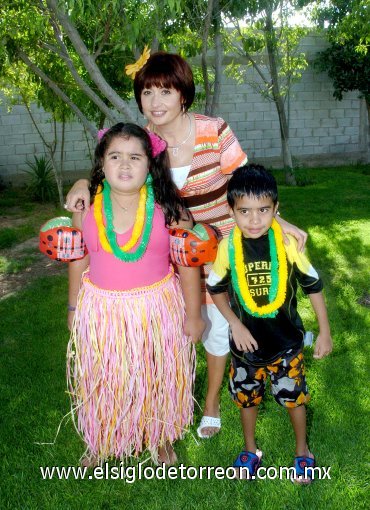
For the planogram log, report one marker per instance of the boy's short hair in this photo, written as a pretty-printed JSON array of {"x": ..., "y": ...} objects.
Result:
[{"x": 252, "y": 180}]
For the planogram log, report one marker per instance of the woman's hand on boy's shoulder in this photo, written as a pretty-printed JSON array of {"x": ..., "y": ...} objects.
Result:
[
  {"x": 323, "y": 346},
  {"x": 299, "y": 234},
  {"x": 78, "y": 197}
]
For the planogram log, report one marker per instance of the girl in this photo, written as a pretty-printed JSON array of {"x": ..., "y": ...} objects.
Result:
[
  {"x": 203, "y": 152},
  {"x": 130, "y": 364}
]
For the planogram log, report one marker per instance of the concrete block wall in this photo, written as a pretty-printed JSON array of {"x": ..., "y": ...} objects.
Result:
[{"x": 322, "y": 130}]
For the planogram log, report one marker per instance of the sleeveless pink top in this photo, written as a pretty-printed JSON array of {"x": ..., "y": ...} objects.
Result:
[{"x": 108, "y": 272}]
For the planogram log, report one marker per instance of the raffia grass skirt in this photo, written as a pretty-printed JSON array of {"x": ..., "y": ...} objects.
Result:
[{"x": 130, "y": 369}]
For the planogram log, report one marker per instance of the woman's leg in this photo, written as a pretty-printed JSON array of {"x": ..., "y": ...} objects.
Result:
[
  {"x": 216, "y": 369},
  {"x": 216, "y": 344}
]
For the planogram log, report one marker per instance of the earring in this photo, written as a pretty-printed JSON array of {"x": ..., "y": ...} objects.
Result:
[{"x": 183, "y": 108}]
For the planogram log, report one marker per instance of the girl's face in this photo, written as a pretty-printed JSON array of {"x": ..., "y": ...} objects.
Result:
[
  {"x": 125, "y": 165},
  {"x": 161, "y": 106}
]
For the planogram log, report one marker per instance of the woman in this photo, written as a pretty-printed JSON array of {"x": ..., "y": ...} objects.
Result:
[{"x": 203, "y": 152}]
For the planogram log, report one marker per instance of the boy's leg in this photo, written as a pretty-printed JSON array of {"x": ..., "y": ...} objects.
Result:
[
  {"x": 298, "y": 419},
  {"x": 248, "y": 417},
  {"x": 289, "y": 387}
]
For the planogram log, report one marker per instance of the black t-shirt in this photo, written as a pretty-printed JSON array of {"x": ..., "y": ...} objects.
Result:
[{"x": 273, "y": 335}]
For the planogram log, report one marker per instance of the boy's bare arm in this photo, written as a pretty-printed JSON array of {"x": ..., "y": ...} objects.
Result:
[
  {"x": 324, "y": 343},
  {"x": 241, "y": 335}
]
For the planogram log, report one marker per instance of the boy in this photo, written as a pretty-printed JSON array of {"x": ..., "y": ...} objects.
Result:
[{"x": 253, "y": 283}]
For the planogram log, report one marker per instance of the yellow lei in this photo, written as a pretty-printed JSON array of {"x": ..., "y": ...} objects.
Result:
[
  {"x": 282, "y": 273},
  {"x": 138, "y": 227}
]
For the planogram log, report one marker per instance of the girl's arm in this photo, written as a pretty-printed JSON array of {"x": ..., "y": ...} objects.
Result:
[
  {"x": 296, "y": 232},
  {"x": 190, "y": 283},
  {"x": 75, "y": 270},
  {"x": 324, "y": 343},
  {"x": 78, "y": 197}
]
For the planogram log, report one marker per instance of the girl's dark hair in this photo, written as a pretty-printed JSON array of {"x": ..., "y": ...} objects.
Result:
[
  {"x": 165, "y": 191},
  {"x": 252, "y": 180},
  {"x": 166, "y": 70}
]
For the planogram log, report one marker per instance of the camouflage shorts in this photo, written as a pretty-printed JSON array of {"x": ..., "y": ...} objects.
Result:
[{"x": 247, "y": 383}]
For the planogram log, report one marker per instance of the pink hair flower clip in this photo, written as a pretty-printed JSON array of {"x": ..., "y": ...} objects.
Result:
[
  {"x": 158, "y": 144},
  {"x": 101, "y": 133}
]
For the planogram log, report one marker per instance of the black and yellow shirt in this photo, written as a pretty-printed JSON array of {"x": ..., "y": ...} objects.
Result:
[{"x": 273, "y": 335}]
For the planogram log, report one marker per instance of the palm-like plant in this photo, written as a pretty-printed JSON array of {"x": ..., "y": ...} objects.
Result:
[{"x": 42, "y": 183}]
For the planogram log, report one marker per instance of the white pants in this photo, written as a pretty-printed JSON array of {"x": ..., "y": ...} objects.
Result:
[{"x": 216, "y": 335}]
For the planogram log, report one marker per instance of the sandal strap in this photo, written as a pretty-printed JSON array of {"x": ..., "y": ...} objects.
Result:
[
  {"x": 248, "y": 460},
  {"x": 300, "y": 463},
  {"x": 210, "y": 421}
]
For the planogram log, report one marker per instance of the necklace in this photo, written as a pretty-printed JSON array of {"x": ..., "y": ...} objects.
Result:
[
  {"x": 279, "y": 273},
  {"x": 175, "y": 148},
  {"x": 107, "y": 236},
  {"x": 125, "y": 209}
]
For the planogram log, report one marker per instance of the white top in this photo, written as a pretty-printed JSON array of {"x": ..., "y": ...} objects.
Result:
[{"x": 179, "y": 175}]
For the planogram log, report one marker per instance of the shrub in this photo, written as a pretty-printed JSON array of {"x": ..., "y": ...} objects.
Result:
[{"x": 42, "y": 184}]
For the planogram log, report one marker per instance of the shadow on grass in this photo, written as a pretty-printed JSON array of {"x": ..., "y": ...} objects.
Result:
[{"x": 33, "y": 342}]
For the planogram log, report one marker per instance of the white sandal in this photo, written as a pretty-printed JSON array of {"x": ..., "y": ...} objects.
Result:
[{"x": 208, "y": 421}]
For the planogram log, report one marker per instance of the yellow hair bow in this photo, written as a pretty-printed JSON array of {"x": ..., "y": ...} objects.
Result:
[{"x": 132, "y": 69}]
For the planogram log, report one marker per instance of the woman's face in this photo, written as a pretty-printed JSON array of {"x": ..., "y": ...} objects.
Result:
[{"x": 161, "y": 106}]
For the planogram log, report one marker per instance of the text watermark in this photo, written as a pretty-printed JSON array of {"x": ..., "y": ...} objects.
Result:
[{"x": 131, "y": 474}]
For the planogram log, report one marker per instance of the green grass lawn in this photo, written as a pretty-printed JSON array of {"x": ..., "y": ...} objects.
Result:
[{"x": 335, "y": 210}]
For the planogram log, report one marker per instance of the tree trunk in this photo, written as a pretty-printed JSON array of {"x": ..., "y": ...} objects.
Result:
[
  {"x": 218, "y": 58},
  {"x": 64, "y": 54},
  {"x": 207, "y": 87},
  {"x": 271, "y": 45},
  {"x": 89, "y": 62},
  {"x": 54, "y": 87},
  {"x": 51, "y": 148},
  {"x": 368, "y": 130}
]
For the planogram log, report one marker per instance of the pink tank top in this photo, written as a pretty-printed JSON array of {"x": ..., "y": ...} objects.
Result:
[{"x": 108, "y": 272}]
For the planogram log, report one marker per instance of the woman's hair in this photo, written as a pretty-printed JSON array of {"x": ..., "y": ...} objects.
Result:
[
  {"x": 168, "y": 71},
  {"x": 165, "y": 191},
  {"x": 251, "y": 180}
]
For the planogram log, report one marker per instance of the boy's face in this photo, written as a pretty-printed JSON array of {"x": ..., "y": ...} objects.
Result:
[{"x": 254, "y": 215}]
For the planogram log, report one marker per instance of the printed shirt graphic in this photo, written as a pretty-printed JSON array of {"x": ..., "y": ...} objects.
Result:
[{"x": 273, "y": 335}]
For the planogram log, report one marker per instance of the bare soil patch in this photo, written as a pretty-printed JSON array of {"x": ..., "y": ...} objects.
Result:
[{"x": 42, "y": 266}]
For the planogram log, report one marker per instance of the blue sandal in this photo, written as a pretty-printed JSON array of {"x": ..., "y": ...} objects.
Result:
[
  {"x": 302, "y": 466},
  {"x": 250, "y": 462}
]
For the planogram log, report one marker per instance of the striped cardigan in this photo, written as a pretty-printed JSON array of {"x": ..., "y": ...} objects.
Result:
[{"x": 216, "y": 154}]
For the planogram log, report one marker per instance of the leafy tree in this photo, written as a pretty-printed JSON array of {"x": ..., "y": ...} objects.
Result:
[
  {"x": 269, "y": 46},
  {"x": 70, "y": 56},
  {"x": 77, "y": 51},
  {"x": 347, "y": 60}
]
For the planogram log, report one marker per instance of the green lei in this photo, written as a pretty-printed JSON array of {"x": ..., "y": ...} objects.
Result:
[
  {"x": 274, "y": 274},
  {"x": 111, "y": 235}
]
